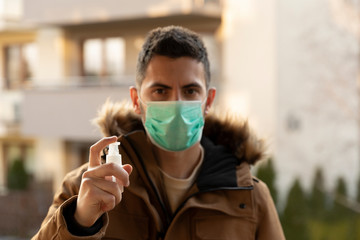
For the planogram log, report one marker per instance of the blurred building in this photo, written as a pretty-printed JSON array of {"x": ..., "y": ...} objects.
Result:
[
  {"x": 290, "y": 67},
  {"x": 60, "y": 62}
]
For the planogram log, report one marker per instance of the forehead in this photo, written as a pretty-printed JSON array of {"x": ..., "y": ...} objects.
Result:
[{"x": 174, "y": 71}]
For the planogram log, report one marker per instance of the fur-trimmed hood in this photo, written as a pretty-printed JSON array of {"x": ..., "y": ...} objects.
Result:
[{"x": 115, "y": 119}]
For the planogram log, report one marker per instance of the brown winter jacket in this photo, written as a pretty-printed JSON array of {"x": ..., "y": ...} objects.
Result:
[{"x": 225, "y": 202}]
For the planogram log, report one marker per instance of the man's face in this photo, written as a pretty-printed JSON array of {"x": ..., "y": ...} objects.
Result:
[{"x": 169, "y": 79}]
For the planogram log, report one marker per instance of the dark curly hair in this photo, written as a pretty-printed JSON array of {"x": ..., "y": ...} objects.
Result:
[{"x": 173, "y": 42}]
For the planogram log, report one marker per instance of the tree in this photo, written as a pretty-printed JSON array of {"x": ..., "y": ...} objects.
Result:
[
  {"x": 317, "y": 199},
  {"x": 358, "y": 191},
  {"x": 267, "y": 174},
  {"x": 342, "y": 215},
  {"x": 340, "y": 195},
  {"x": 294, "y": 218},
  {"x": 17, "y": 176}
]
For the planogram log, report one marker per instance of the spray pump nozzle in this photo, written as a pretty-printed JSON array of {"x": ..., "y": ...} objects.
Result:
[{"x": 114, "y": 149}]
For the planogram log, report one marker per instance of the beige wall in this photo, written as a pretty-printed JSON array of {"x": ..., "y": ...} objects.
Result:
[
  {"x": 51, "y": 56},
  {"x": 287, "y": 62},
  {"x": 318, "y": 64},
  {"x": 249, "y": 64}
]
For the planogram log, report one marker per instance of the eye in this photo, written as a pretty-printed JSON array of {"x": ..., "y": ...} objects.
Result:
[
  {"x": 160, "y": 91},
  {"x": 159, "y": 94},
  {"x": 190, "y": 91}
]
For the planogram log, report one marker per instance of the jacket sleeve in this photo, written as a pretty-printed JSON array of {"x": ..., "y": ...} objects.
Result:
[
  {"x": 54, "y": 225},
  {"x": 269, "y": 226}
]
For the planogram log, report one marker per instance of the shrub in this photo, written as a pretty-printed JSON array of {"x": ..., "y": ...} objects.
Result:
[{"x": 18, "y": 178}]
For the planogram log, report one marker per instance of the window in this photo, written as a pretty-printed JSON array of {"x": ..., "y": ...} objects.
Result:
[
  {"x": 20, "y": 62},
  {"x": 103, "y": 57}
]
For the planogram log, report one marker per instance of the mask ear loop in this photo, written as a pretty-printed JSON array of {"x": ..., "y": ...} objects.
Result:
[
  {"x": 204, "y": 101},
  {"x": 141, "y": 101}
]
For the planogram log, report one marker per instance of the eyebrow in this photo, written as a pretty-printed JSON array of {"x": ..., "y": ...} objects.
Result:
[
  {"x": 168, "y": 87},
  {"x": 192, "y": 85},
  {"x": 159, "y": 85}
]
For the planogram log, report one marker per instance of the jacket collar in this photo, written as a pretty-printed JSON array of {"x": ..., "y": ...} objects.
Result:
[
  {"x": 220, "y": 168},
  {"x": 116, "y": 119}
]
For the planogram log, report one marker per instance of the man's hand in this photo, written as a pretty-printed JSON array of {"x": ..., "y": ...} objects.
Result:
[{"x": 98, "y": 195}]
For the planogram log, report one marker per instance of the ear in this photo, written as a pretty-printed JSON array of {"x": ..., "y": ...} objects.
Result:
[
  {"x": 210, "y": 100},
  {"x": 135, "y": 99}
]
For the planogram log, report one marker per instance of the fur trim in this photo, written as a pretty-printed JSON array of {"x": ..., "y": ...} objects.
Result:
[
  {"x": 233, "y": 132},
  {"x": 115, "y": 119}
]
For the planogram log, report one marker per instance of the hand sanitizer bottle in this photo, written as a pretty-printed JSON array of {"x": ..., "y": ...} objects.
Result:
[{"x": 114, "y": 156}]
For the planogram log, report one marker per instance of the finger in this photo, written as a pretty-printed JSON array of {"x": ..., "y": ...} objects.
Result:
[
  {"x": 101, "y": 200},
  {"x": 109, "y": 169},
  {"x": 108, "y": 203},
  {"x": 95, "y": 150},
  {"x": 107, "y": 187},
  {"x": 128, "y": 168}
]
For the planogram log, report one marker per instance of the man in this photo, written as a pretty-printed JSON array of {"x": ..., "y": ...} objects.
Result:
[{"x": 183, "y": 179}]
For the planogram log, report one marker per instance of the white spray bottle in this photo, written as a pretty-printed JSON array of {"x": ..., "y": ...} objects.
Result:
[{"x": 114, "y": 156}]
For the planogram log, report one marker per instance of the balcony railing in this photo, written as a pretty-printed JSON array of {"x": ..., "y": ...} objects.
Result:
[
  {"x": 68, "y": 12},
  {"x": 65, "y": 110},
  {"x": 77, "y": 82}
]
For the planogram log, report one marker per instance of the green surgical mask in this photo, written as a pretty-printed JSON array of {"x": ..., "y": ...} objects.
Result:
[{"x": 174, "y": 125}]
